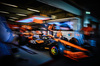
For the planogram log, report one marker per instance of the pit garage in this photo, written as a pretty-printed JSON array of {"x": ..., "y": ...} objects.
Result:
[{"x": 46, "y": 36}]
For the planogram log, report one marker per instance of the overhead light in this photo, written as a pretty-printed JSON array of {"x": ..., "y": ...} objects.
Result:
[
  {"x": 21, "y": 14},
  {"x": 28, "y": 20},
  {"x": 33, "y": 10},
  {"x": 13, "y": 17},
  {"x": 4, "y": 12},
  {"x": 9, "y": 4}
]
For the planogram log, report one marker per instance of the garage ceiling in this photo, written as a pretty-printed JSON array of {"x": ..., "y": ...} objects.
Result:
[{"x": 15, "y": 10}]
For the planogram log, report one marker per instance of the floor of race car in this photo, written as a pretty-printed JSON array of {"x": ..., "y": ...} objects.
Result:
[{"x": 42, "y": 58}]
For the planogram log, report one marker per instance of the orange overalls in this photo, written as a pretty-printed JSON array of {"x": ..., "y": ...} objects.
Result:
[
  {"x": 59, "y": 34},
  {"x": 87, "y": 30}
]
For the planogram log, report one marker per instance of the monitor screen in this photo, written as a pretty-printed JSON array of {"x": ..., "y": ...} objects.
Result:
[{"x": 66, "y": 25}]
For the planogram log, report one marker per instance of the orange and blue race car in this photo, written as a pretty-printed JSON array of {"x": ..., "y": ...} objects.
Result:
[
  {"x": 68, "y": 49},
  {"x": 62, "y": 47}
]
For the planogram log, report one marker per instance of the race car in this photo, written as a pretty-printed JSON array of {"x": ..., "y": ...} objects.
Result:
[
  {"x": 41, "y": 42},
  {"x": 68, "y": 49},
  {"x": 61, "y": 47}
]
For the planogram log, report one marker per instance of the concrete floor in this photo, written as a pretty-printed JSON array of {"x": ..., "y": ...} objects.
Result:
[
  {"x": 34, "y": 57},
  {"x": 42, "y": 58}
]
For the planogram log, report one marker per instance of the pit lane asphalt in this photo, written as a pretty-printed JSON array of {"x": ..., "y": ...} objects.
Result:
[{"x": 42, "y": 58}]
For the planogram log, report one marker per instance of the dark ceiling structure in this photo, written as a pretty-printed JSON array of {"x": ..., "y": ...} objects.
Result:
[
  {"x": 19, "y": 8},
  {"x": 15, "y": 10}
]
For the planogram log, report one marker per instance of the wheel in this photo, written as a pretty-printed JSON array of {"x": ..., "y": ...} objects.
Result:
[
  {"x": 63, "y": 38},
  {"x": 54, "y": 52},
  {"x": 74, "y": 41}
]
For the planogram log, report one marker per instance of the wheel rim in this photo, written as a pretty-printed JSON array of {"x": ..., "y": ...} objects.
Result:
[{"x": 54, "y": 50}]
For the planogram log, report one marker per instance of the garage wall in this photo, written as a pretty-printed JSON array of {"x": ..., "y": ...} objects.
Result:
[{"x": 88, "y": 19}]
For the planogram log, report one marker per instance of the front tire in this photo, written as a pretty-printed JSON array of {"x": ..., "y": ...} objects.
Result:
[{"x": 54, "y": 52}]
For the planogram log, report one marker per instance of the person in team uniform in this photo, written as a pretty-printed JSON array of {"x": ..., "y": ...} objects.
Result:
[
  {"x": 51, "y": 28},
  {"x": 87, "y": 32},
  {"x": 59, "y": 34}
]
